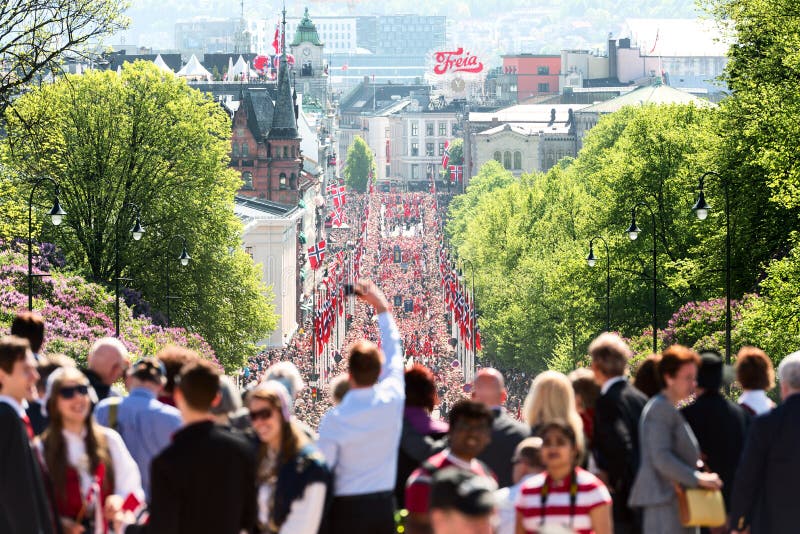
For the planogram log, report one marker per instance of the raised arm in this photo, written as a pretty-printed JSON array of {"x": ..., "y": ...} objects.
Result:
[{"x": 390, "y": 336}]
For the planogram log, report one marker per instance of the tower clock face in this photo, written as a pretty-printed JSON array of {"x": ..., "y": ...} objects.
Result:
[{"x": 306, "y": 52}]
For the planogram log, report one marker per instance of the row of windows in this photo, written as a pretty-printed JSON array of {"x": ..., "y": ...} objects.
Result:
[
  {"x": 240, "y": 150},
  {"x": 429, "y": 129},
  {"x": 243, "y": 150},
  {"x": 283, "y": 183},
  {"x": 428, "y": 148},
  {"x": 505, "y": 159}
]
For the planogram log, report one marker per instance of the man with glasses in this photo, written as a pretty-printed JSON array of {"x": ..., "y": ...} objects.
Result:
[{"x": 470, "y": 433}]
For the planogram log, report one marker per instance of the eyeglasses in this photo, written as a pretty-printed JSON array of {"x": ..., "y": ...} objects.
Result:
[
  {"x": 255, "y": 415},
  {"x": 70, "y": 391}
]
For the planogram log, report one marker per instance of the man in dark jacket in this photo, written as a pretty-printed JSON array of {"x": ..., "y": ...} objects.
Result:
[
  {"x": 205, "y": 480},
  {"x": 489, "y": 388},
  {"x": 616, "y": 422},
  {"x": 763, "y": 495},
  {"x": 719, "y": 424}
]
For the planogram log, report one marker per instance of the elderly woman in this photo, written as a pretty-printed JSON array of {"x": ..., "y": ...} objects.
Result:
[
  {"x": 293, "y": 480},
  {"x": 669, "y": 449},
  {"x": 83, "y": 457}
]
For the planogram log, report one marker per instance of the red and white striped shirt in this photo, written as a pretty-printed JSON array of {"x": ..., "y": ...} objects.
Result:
[{"x": 559, "y": 508}]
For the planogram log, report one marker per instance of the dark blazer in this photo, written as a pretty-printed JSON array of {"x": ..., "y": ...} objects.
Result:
[
  {"x": 203, "y": 482},
  {"x": 763, "y": 495},
  {"x": 24, "y": 507},
  {"x": 720, "y": 427},
  {"x": 507, "y": 432},
  {"x": 414, "y": 449},
  {"x": 616, "y": 442}
]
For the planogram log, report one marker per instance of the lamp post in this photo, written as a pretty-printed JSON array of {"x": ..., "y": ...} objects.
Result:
[
  {"x": 633, "y": 232},
  {"x": 136, "y": 232},
  {"x": 184, "y": 261},
  {"x": 467, "y": 263},
  {"x": 701, "y": 209},
  {"x": 56, "y": 216},
  {"x": 591, "y": 261}
]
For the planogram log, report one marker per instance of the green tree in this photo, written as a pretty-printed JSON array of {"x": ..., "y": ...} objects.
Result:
[
  {"x": 456, "y": 150},
  {"x": 145, "y": 137},
  {"x": 359, "y": 166},
  {"x": 35, "y": 35}
]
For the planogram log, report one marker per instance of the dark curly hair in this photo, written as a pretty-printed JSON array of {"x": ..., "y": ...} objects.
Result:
[{"x": 421, "y": 387}]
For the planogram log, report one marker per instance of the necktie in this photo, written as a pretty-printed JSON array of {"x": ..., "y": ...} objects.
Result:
[{"x": 28, "y": 426}]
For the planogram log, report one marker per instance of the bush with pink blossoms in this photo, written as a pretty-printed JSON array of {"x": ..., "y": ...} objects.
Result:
[{"x": 77, "y": 312}]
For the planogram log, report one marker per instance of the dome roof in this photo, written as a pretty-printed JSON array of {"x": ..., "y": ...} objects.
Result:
[{"x": 306, "y": 32}]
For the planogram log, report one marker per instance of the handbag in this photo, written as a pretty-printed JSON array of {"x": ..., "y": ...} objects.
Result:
[{"x": 700, "y": 507}]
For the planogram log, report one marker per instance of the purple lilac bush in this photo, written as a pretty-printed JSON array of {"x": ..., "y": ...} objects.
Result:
[{"x": 77, "y": 312}]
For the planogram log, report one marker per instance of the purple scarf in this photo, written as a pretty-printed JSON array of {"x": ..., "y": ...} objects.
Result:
[{"x": 421, "y": 421}]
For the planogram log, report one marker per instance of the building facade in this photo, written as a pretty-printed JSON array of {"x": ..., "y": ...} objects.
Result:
[{"x": 311, "y": 71}]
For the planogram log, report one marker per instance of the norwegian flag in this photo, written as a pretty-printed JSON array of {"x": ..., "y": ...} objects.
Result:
[
  {"x": 446, "y": 155},
  {"x": 456, "y": 173},
  {"x": 316, "y": 254},
  {"x": 337, "y": 218},
  {"x": 339, "y": 197},
  {"x": 276, "y": 41}
]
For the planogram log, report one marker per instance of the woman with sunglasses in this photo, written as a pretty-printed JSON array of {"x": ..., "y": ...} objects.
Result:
[
  {"x": 293, "y": 480},
  {"x": 91, "y": 469},
  {"x": 564, "y": 498}
]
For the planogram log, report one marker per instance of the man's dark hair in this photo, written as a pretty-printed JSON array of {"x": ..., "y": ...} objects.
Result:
[
  {"x": 365, "y": 363},
  {"x": 149, "y": 369},
  {"x": 199, "y": 384},
  {"x": 30, "y": 326},
  {"x": 12, "y": 350},
  {"x": 468, "y": 409}
]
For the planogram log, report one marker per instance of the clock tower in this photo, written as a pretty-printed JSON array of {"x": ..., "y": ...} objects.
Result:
[{"x": 311, "y": 72}]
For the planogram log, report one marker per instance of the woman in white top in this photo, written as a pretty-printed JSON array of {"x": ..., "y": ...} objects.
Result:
[
  {"x": 755, "y": 374},
  {"x": 91, "y": 469},
  {"x": 293, "y": 480}
]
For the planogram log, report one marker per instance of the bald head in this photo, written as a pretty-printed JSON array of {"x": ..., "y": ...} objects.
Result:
[
  {"x": 108, "y": 357},
  {"x": 489, "y": 387}
]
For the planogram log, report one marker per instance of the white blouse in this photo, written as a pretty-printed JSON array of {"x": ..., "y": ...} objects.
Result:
[
  {"x": 305, "y": 514},
  {"x": 757, "y": 400}
]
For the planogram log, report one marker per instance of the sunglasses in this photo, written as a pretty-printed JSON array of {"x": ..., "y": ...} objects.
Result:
[
  {"x": 255, "y": 415},
  {"x": 69, "y": 392}
]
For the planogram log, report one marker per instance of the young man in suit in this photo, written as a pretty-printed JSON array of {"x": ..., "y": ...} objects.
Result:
[
  {"x": 205, "y": 480},
  {"x": 763, "y": 498},
  {"x": 24, "y": 506},
  {"x": 616, "y": 421},
  {"x": 489, "y": 388}
]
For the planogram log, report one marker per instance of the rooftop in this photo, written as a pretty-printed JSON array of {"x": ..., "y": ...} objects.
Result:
[{"x": 651, "y": 94}]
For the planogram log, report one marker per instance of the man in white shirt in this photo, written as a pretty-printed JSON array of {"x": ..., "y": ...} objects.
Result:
[
  {"x": 526, "y": 462},
  {"x": 360, "y": 437}
]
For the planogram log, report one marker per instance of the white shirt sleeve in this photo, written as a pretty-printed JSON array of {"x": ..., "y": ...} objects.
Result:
[
  {"x": 127, "y": 479},
  {"x": 393, "y": 368},
  {"x": 326, "y": 443},
  {"x": 306, "y": 512}
]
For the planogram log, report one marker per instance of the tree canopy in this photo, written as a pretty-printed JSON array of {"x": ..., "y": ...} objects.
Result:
[
  {"x": 145, "y": 138},
  {"x": 359, "y": 166}
]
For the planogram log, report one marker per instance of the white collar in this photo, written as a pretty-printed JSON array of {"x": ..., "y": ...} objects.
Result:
[
  {"x": 458, "y": 461},
  {"x": 757, "y": 400},
  {"x": 610, "y": 382},
  {"x": 19, "y": 408}
]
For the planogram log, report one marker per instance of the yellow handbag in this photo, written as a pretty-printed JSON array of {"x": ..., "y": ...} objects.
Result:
[{"x": 701, "y": 507}]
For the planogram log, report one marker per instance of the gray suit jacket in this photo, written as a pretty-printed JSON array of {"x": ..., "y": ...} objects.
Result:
[{"x": 669, "y": 454}]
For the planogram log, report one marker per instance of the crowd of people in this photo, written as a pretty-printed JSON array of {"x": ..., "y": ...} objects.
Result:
[{"x": 393, "y": 442}]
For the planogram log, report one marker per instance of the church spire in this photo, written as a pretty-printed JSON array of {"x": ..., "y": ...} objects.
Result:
[{"x": 284, "y": 123}]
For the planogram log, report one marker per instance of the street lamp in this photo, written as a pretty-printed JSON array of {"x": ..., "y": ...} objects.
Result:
[
  {"x": 56, "y": 214},
  {"x": 701, "y": 208},
  {"x": 136, "y": 232},
  {"x": 633, "y": 232},
  {"x": 184, "y": 261},
  {"x": 592, "y": 261}
]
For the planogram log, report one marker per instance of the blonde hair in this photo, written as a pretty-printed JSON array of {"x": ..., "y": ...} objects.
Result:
[{"x": 551, "y": 398}]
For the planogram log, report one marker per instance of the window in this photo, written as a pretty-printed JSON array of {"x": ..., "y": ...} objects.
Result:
[
  {"x": 249, "y": 251},
  {"x": 498, "y": 157},
  {"x": 414, "y": 172},
  {"x": 414, "y": 129},
  {"x": 282, "y": 181},
  {"x": 507, "y": 160},
  {"x": 245, "y": 149},
  {"x": 517, "y": 160},
  {"x": 293, "y": 181},
  {"x": 544, "y": 87},
  {"x": 441, "y": 148},
  {"x": 429, "y": 129},
  {"x": 543, "y": 70},
  {"x": 247, "y": 180},
  {"x": 442, "y": 129},
  {"x": 429, "y": 149},
  {"x": 286, "y": 152},
  {"x": 388, "y": 170},
  {"x": 386, "y": 132},
  {"x": 415, "y": 149},
  {"x": 235, "y": 151}
]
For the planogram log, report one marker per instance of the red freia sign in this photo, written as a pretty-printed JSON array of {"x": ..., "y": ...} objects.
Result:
[{"x": 456, "y": 61}]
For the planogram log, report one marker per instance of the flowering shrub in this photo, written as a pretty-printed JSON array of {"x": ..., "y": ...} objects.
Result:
[{"x": 77, "y": 312}]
